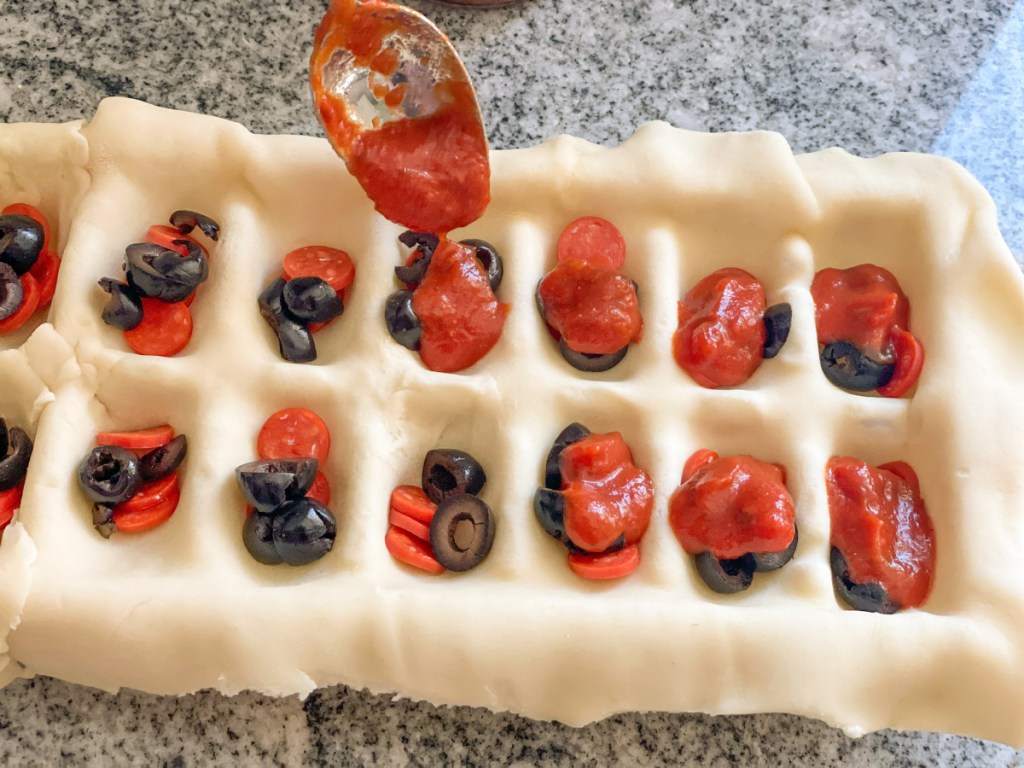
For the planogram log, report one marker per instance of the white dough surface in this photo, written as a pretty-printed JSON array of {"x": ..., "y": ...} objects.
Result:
[{"x": 184, "y": 607}]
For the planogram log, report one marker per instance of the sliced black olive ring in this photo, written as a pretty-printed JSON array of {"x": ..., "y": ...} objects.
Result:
[
  {"x": 870, "y": 597},
  {"x": 777, "y": 319},
  {"x": 185, "y": 221},
  {"x": 270, "y": 484},
  {"x": 845, "y": 366},
  {"x": 18, "y": 451},
  {"x": 461, "y": 532},
  {"x": 448, "y": 472},
  {"x": 109, "y": 474}
]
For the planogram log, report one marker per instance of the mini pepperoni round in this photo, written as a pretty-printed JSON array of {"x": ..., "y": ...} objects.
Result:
[
  {"x": 412, "y": 501},
  {"x": 10, "y": 500},
  {"x": 146, "y": 518},
  {"x": 320, "y": 490},
  {"x": 909, "y": 353},
  {"x": 592, "y": 240},
  {"x": 29, "y": 304},
  {"x": 409, "y": 525},
  {"x": 164, "y": 236},
  {"x": 410, "y": 550},
  {"x": 332, "y": 265},
  {"x": 721, "y": 334},
  {"x": 140, "y": 440},
  {"x": 294, "y": 433},
  {"x": 24, "y": 209},
  {"x": 164, "y": 331},
  {"x": 150, "y": 495},
  {"x": 607, "y": 566},
  {"x": 45, "y": 273}
]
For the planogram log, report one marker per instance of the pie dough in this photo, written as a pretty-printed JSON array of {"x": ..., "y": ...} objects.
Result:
[{"x": 185, "y": 607}]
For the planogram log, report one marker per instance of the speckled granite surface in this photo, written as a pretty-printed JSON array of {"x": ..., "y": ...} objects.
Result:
[{"x": 867, "y": 75}]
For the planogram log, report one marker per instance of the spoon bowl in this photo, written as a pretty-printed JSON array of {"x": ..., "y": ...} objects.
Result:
[{"x": 398, "y": 106}]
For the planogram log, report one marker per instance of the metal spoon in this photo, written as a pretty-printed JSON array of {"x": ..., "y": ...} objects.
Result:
[{"x": 376, "y": 68}]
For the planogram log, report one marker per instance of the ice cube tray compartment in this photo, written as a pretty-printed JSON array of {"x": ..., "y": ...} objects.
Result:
[{"x": 184, "y": 606}]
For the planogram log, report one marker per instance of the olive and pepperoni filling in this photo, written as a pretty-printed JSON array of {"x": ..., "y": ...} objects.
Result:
[
  {"x": 448, "y": 311},
  {"x": 595, "y": 501},
  {"x": 735, "y": 515},
  {"x": 162, "y": 275},
  {"x": 442, "y": 524},
  {"x": 311, "y": 292},
  {"x": 28, "y": 265},
  {"x": 589, "y": 306},
  {"x": 288, "y": 519},
  {"x": 15, "y": 452},
  {"x": 863, "y": 323},
  {"x": 725, "y": 329},
  {"x": 132, "y": 479},
  {"x": 883, "y": 542}
]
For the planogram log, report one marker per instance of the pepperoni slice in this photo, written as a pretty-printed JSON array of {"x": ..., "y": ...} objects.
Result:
[
  {"x": 909, "y": 353},
  {"x": 320, "y": 490},
  {"x": 593, "y": 240},
  {"x": 164, "y": 331},
  {"x": 411, "y": 501},
  {"x": 10, "y": 500},
  {"x": 139, "y": 520},
  {"x": 45, "y": 273},
  {"x": 409, "y": 525},
  {"x": 29, "y": 304},
  {"x": 332, "y": 265},
  {"x": 164, "y": 236},
  {"x": 139, "y": 440},
  {"x": 407, "y": 549},
  {"x": 604, "y": 567},
  {"x": 24, "y": 209},
  {"x": 294, "y": 433},
  {"x": 150, "y": 495}
]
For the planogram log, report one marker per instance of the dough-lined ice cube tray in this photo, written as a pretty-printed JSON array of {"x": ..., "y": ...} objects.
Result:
[{"x": 185, "y": 607}]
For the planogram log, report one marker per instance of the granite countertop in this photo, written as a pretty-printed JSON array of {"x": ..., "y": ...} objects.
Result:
[{"x": 867, "y": 75}]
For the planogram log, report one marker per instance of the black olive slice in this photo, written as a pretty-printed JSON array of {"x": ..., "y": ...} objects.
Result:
[
  {"x": 540, "y": 302},
  {"x": 270, "y": 484},
  {"x": 103, "y": 520},
  {"x": 15, "y": 464},
  {"x": 160, "y": 273},
  {"x": 488, "y": 256},
  {"x": 294, "y": 340},
  {"x": 845, "y": 366},
  {"x": 772, "y": 561},
  {"x": 871, "y": 597},
  {"x": 258, "y": 537},
  {"x": 161, "y": 461},
  {"x": 413, "y": 274},
  {"x": 726, "y": 577},
  {"x": 777, "y": 319},
  {"x": 311, "y": 300},
  {"x": 461, "y": 532},
  {"x": 448, "y": 472},
  {"x": 304, "y": 531},
  {"x": 4, "y": 438},
  {"x": 403, "y": 325},
  {"x": 424, "y": 242},
  {"x": 185, "y": 221},
  {"x": 124, "y": 310},
  {"x": 581, "y": 361},
  {"x": 552, "y": 468},
  {"x": 11, "y": 292},
  {"x": 549, "y": 507},
  {"x": 21, "y": 241},
  {"x": 109, "y": 474}
]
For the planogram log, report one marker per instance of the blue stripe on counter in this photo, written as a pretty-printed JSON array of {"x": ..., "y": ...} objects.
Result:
[{"x": 986, "y": 133}]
